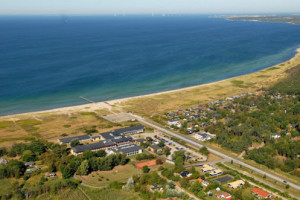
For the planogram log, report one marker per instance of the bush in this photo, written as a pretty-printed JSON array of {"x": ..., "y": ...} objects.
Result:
[{"x": 146, "y": 169}]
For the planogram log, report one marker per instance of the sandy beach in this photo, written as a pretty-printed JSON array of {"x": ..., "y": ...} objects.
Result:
[{"x": 273, "y": 75}]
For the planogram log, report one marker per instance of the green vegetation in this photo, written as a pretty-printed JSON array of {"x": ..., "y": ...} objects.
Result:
[
  {"x": 6, "y": 124},
  {"x": 29, "y": 125},
  {"x": 237, "y": 82}
]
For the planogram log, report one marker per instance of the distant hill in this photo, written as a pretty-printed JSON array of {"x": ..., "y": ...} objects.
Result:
[{"x": 293, "y": 19}]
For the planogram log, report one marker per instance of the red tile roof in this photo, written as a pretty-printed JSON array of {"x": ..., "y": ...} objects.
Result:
[
  {"x": 261, "y": 192},
  {"x": 297, "y": 138},
  {"x": 223, "y": 195}
]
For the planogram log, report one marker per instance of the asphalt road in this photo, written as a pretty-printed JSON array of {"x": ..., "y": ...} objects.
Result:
[{"x": 214, "y": 151}]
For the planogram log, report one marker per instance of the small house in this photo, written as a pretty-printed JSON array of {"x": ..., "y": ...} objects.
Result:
[
  {"x": 3, "y": 161},
  {"x": 261, "y": 194},
  {"x": 224, "y": 195},
  {"x": 236, "y": 184},
  {"x": 185, "y": 174}
]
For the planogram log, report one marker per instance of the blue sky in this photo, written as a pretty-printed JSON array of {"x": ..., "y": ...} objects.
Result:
[{"x": 83, "y": 7}]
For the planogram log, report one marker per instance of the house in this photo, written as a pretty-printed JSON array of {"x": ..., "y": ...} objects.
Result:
[
  {"x": 31, "y": 170},
  {"x": 81, "y": 138},
  {"x": 261, "y": 193},
  {"x": 154, "y": 187},
  {"x": 203, "y": 182},
  {"x": 95, "y": 138},
  {"x": 297, "y": 139},
  {"x": 203, "y": 136},
  {"x": 154, "y": 148},
  {"x": 130, "y": 130},
  {"x": 139, "y": 141},
  {"x": 50, "y": 175},
  {"x": 207, "y": 168},
  {"x": 3, "y": 161},
  {"x": 216, "y": 172},
  {"x": 29, "y": 164},
  {"x": 224, "y": 195},
  {"x": 128, "y": 150},
  {"x": 276, "y": 135},
  {"x": 106, "y": 144},
  {"x": 236, "y": 184},
  {"x": 185, "y": 174},
  {"x": 173, "y": 122}
]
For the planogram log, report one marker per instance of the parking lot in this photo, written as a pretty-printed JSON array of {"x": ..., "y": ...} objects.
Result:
[
  {"x": 118, "y": 117},
  {"x": 174, "y": 146}
]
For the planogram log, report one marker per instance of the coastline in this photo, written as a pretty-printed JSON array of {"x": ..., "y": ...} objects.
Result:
[{"x": 123, "y": 101}]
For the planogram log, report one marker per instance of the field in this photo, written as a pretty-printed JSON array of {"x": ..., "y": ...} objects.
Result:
[
  {"x": 103, "y": 178},
  {"x": 83, "y": 193},
  {"x": 54, "y": 126}
]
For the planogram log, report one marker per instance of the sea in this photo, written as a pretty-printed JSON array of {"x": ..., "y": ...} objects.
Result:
[{"x": 48, "y": 62}]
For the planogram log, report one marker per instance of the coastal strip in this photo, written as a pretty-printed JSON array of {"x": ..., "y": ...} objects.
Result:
[{"x": 162, "y": 101}]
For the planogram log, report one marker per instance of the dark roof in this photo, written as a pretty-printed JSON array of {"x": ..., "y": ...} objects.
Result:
[
  {"x": 127, "y": 149},
  {"x": 109, "y": 135},
  {"x": 93, "y": 146},
  {"x": 69, "y": 139},
  {"x": 120, "y": 139},
  {"x": 155, "y": 146},
  {"x": 129, "y": 129},
  {"x": 140, "y": 140},
  {"x": 184, "y": 173}
]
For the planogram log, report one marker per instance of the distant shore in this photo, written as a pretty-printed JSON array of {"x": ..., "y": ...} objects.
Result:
[{"x": 109, "y": 104}]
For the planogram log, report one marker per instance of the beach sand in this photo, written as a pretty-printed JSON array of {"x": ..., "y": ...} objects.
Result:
[{"x": 197, "y": 94}]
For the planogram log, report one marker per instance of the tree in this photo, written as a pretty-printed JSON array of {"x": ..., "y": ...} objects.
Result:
[
  {"x": 74, "y": 143},
  {"x": 84, "y": 168},
  {"x": 28, "y": 155},
  {"x": 146, "y": 169},
  {"x": 15, "y": 168},
  {"x": 101, "y": 153},
  {"x": 204, "y": 151},
  {"x": 37, "y": 147},
  {"x": 161, "y": 144},
  {"x": 167, "y": 151},
  {"x": 3, "y": 151},
  {"x": 87, "y": 154},
  {"x": 66, "y": 172},
  {"x": 159, "y": 161},
  {"x": 184, "y": 183}
]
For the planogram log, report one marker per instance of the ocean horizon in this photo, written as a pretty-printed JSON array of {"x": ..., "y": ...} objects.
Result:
[{"x": 49, "y": 62}]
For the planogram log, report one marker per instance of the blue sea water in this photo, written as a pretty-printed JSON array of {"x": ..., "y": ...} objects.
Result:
[{"x": 48, "y": 62}]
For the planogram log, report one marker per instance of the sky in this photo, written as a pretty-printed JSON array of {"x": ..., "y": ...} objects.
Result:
[{"x": 91, "y": 7}]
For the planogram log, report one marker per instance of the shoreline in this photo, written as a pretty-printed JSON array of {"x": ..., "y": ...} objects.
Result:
[{"x": 108, "y": 104}]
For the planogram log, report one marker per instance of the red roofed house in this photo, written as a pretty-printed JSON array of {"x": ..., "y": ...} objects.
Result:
[
  {"x": 261, "y": 194},
  {"x": 224, "y": 195},
  {"x": 297, "y": 138},
  {"x": 203, "y": 182}
]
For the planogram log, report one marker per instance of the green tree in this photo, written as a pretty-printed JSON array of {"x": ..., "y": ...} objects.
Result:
[
  {"x": 146, "y": 169},
  {"x": 101, "y": 153},
  {"x": 74, "y": 143},
  {"x": 84, "y": 168},
  {"x": 161, "y": 144},
  {"x": 28, "y": 155},
  {"x": 87, "y": 154}
]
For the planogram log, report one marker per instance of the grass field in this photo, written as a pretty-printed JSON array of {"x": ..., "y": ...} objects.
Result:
[{"x": 103, "y": 178}]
